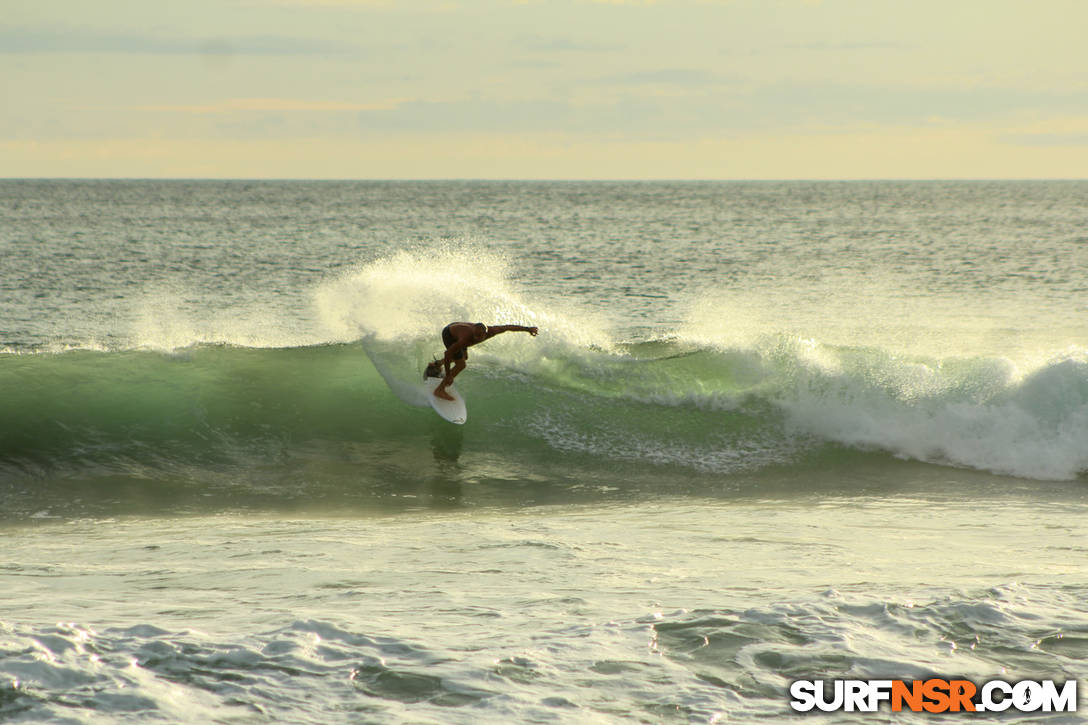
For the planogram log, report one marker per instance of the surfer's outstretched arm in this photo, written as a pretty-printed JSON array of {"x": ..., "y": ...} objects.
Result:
[{"x": 499, "y": 329}]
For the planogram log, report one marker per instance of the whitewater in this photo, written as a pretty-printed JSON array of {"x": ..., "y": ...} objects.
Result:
[{"x": 767, "y": 432}]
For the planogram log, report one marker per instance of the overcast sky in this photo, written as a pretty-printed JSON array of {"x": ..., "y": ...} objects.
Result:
[{"x": 568, "y": 89}]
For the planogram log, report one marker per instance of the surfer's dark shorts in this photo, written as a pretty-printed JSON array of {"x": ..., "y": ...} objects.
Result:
[{"x": 447, "y": 340}]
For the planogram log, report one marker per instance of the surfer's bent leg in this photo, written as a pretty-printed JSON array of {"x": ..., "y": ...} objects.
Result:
[
  {"x": 459, "y": 359},
  {"x": 440, "y": 391}
]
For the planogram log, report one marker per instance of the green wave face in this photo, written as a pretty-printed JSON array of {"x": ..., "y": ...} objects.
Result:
[{"x": 301, "y": 425}]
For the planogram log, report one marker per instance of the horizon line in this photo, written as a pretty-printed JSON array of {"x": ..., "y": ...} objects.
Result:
[{"x": 483, "y": 179}]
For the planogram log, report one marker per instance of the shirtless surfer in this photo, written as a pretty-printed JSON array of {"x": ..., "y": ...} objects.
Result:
[{"x": 458, "y": 337}]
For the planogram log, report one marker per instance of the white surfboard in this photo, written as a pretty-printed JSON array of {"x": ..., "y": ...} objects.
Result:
[{"x": 452, "y": 410}]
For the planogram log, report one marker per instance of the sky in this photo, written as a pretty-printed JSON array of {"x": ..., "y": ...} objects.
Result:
[{"x": 548, "y": 89}]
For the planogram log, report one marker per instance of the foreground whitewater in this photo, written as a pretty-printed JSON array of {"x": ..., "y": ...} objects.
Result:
[
  {"x": 695, "y": 611},
  {"x": 768, "y": 432}
]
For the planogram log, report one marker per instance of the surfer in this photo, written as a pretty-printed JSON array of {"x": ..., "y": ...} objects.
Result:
[{"x": 458, "y": 337}]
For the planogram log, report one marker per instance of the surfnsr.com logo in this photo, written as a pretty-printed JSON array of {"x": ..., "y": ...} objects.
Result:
[{"x": 933, "y": 695}]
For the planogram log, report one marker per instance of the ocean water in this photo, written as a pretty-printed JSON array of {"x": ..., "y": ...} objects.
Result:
[{"x": 767, "y": 432}]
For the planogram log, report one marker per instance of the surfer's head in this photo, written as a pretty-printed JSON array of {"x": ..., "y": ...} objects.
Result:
[{"x": 479, "y": 331}]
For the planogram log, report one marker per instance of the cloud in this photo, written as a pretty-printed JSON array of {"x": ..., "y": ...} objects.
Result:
[
  {"x": 675, "y": 104},
  {"x": 441, "y": 5},
  {"x": 822, "y": 46},
  {"x": 311, "y": 3},
  {"x": 833, "y": 104},
  {"x": 561, "y": 44},
  {"x": 77, "y": 40},
  {"x": 627, "y": 116},
  {"x": 236, "y": 105},
  {"x": 1045, "y": 139},
  {"x": 690, "y": 77}
]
